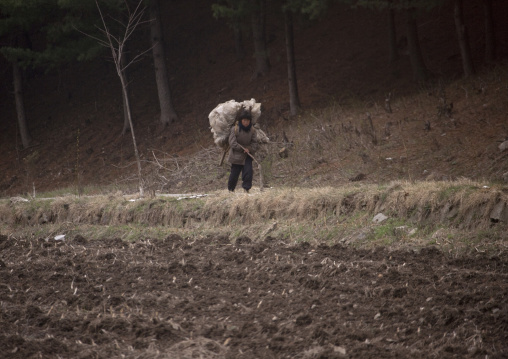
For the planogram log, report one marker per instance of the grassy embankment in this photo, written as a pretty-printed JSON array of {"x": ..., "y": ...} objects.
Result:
[{"x": 455, "y": 216}]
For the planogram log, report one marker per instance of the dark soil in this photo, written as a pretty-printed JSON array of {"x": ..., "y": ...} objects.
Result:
[{"x": 208, "y": 298}]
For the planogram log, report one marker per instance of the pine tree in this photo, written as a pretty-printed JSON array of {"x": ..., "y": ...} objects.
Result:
[{"x": 53, "y": 23}]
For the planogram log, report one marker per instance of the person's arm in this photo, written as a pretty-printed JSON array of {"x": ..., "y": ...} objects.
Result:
[{"x": 254, "y": 145}]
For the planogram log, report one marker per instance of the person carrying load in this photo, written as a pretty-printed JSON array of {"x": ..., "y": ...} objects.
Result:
[
  {"x": 233, "y": 126},
  {"x": 242, "y": 147}
]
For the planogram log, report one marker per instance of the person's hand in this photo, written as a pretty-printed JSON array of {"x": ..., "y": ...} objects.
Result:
[{"x": 246, "y": 150}]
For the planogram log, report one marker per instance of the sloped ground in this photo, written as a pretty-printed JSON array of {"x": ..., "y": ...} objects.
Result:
[{"x": 208, "y": 298}]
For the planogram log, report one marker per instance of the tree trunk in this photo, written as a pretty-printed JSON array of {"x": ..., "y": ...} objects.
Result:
[
  {"x": 465, "y": 50},
  {"x": 294, "y": 100},
  {"x": 490, "y": 39},
  {"x": 168, "y": 113},
  {"x": 125, "y": 95},
  {"x": 125, "y": 98},
  {"x": 126, "y": 124},
  {"x": 26, "y": 139},
  {"x": 420, "y": 71},
  {"x": 392, "y": 36},
  {"x": 259, "y": 36},
  {"x": 239, "y": 48}
]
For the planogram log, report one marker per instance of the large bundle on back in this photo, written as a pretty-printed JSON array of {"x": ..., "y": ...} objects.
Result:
[{"x": 224, "y": 116}]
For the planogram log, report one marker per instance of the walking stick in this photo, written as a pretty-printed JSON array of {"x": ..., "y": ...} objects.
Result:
[{"x": 223, "y": 156}]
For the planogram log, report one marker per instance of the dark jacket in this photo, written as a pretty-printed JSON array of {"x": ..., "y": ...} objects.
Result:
[{"x": 246, "y": 139}]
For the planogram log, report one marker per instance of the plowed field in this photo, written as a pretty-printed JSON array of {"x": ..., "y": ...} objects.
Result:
[{"x": 210, "y": 298}]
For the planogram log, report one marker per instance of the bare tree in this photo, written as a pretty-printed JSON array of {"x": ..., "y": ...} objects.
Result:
[{"x": 117, "y": 46}]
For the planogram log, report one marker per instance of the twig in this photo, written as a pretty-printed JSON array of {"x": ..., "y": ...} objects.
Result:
[{"x": 157, "y": 161}]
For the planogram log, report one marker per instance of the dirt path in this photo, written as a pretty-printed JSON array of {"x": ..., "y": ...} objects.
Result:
[{"x": 207, "y": 298}]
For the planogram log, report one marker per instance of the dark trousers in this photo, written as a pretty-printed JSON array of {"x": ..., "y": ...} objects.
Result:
[{"x": 247, "y": 174}]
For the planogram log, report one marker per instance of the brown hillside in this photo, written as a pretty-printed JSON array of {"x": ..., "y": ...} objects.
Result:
[{"x": 75, "y": 114}]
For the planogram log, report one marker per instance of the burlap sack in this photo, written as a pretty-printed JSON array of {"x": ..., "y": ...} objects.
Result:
[{"x": 224, "y": 116}]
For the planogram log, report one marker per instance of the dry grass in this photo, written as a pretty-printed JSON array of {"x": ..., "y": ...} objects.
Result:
[{"x": 323, "y": 214}]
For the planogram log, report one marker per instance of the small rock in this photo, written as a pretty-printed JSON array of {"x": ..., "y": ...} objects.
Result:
[
  {"x": 379, "y": 218},
  {"x": 503, "y": 146},
  {"x": 340, "y": 350},
  {"x": 497, "y": 213}
]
